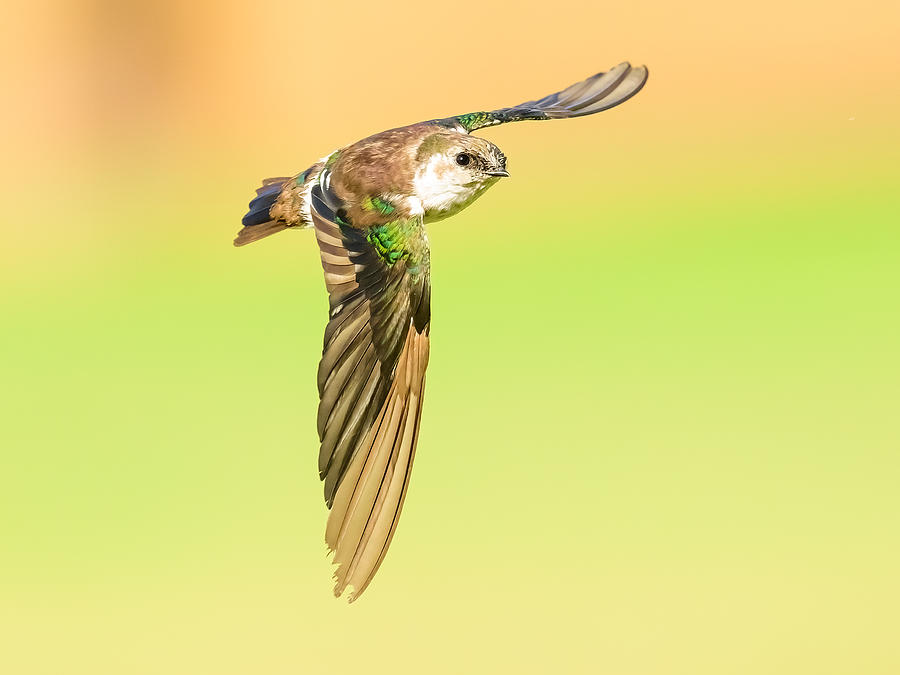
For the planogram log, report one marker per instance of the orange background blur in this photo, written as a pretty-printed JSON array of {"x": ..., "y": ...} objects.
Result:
[
  {"x": 193, "y": 96},
  {"x": 661, "y": 433}
]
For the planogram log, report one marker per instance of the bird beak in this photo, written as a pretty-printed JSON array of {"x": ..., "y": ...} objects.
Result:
[{"x": 500, "y": 173}]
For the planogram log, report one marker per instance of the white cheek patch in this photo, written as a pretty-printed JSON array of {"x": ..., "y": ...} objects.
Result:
[{"x": 437, "y": 189}]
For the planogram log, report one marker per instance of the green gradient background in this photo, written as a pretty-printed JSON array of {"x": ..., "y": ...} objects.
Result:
[{"x": 661, "y": 431}]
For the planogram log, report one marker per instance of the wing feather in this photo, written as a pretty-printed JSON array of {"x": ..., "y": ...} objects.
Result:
[
  {"x": 368, "y": 503},
  {"x": 371, "y": 381},
  {"x": 598, "y": 92}
]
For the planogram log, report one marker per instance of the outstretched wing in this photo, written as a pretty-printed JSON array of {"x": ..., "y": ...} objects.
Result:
[
  {"x": 600, "y": 92},
  {"x": 371, "y": 379}
]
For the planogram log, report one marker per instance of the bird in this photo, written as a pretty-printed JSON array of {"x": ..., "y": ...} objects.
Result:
[{"x": 368, "y": 204}]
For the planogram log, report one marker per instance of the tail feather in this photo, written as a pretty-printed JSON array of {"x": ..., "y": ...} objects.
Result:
[
  {"x": 258, "y": 222},
  {"x": 252, "y": 233},
  {"x": 280, "y": 180},
  {"x": 259, "y": 206},
  {"x": 280, "y": 203}
]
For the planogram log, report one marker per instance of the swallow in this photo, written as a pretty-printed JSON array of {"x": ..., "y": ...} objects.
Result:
[{"x": 368, "y": 204}]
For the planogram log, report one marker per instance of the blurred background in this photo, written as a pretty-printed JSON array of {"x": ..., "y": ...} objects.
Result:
[{"x": 661, "y": 432}]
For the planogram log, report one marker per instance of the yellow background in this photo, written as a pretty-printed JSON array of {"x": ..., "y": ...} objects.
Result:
[{"x": 661, "y": 432}]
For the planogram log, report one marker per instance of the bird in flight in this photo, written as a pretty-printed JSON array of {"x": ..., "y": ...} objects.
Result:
[{"x": 368, "y": 204}]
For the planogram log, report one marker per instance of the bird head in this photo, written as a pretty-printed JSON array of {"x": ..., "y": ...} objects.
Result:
[{"x": 453, "y": 169}]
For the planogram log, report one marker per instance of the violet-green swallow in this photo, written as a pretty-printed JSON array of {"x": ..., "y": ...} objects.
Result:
[{"x": 369, "y": 203}]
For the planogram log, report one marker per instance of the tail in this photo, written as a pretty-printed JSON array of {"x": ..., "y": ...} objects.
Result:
[{"x": 258, "y": 222}]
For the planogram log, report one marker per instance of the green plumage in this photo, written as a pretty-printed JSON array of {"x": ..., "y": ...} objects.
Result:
[
  {"x": 395, "y": 241},
  {"x": 378, "y": 204},
  {"x": 475, "y": 120}
]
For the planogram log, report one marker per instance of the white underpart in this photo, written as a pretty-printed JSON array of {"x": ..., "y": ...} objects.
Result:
[
  {"x": 413, "y": 204},
  {"x": 439, "y": 196},
  {"x": 306, "y": 203}
]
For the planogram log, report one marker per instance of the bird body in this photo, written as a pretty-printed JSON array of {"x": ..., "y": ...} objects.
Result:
[{"x": 369, "y": 203}]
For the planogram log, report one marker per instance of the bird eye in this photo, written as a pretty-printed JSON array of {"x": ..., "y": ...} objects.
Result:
[{"x": 463, "y": 159}]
